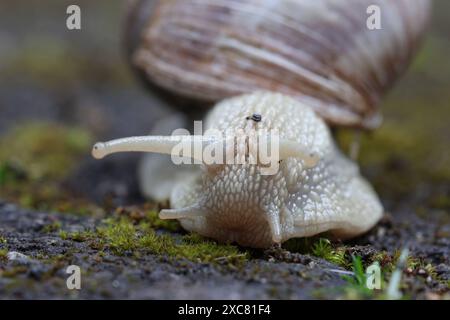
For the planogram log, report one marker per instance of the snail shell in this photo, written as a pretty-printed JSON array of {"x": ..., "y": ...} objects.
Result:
[{"x": 319, "y": 52}]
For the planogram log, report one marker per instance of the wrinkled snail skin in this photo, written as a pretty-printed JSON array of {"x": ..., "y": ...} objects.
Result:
[
  {"x": 293, "y": 66},
  {"x": 236, "y": 203},
  {"x": 319, "y": 52}
]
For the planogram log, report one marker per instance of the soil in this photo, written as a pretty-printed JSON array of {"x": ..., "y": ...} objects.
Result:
[{"x": 276, "y": 274}]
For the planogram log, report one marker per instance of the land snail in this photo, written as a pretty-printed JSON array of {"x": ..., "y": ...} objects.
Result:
[{"x": 295, "y": 66}]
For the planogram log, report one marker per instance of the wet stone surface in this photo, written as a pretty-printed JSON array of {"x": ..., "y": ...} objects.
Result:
[
  {"x": 274, "y": 274},
  {"x": 42, "y": 274}
]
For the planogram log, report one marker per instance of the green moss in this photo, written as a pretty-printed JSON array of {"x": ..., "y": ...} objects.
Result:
[
  {"x": 53, "y": 227},
  {"x": 155, "y": 222},
  {"x": 323, "y": 249},
  {"x": 195, "y": 247},
  {"x": 10, "y": 173},
  {"x": 51, "y": 197},
  {"x": 122, "y": 236},
  {"x": 147, "y": 216},
  {"x": 63, "y": 234},
  {"x": 413, "y": 262},
  {"x": 416, "y": 266},
  {"x": 386, "y": 261},
  {"x": 3, "y": 254},
  {"x": 43, "y": 150},
  {"x": 389, "y": 152},
  {"x": 410, "y": 148},
  {"x": 156, "y": 244},
  {"x": 3, "y": 240},
  {"x": 34, "y": 160},
  {"x": 12, "y": 272},
  {"x": 431, "y": 271},
  {"x": 78, "y": 236},
  {"x": 319, "y": 247}
]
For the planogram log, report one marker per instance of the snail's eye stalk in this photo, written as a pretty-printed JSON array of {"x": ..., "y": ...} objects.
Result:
[
  {"x": 155, "y": 144},
  {"x": 99, "y": 150},
  {"x": 166, "y": 145},
  {"x": 293, "y": 149}
]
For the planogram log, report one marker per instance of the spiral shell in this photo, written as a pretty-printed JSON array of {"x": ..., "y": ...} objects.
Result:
[{"x": 320, "y": 52}]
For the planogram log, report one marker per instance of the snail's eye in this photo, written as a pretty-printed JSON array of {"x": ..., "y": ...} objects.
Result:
[{"x": 255, "y": 117}]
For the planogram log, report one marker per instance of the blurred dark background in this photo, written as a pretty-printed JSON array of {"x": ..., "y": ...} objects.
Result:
[{"x": 77, "y": 77}]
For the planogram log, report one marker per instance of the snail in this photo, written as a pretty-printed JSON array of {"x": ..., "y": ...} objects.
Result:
[
  {"x": 294, "y": 67},
  {"x": 315, "y": 188}
]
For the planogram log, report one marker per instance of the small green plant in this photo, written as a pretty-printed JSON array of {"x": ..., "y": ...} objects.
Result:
[
  {"x": 323, "y": 249},
  {"x": 52, "y": 227},
  {"x": 3, "y": 240},
  {"x": 431, "y": 271},
  {"x": 81, "y": 236},
  {"x": 385, "y": 260},
  {"x": 63, "y": 234},
  {"x": 359, "y": 277},
  {"x": 356, "y": 285},
  {"x": 9, "y": 173}
]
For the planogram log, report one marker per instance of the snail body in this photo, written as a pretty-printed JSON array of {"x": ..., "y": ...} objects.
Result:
[
  {"x": 320, "y": 52},
  {"x": 315, "y": 189},
  {"x": 293, "y": 66}
]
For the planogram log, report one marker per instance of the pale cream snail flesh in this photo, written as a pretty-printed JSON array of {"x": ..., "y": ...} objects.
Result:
[{"x": 296, "y": 64}]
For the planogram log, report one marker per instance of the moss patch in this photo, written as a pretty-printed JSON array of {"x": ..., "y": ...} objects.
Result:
[
  {"x": 52, "y": 227},
  {"x": 121, "y": 236},
  {"x": 410, "y": 149},
  {"x": 34, "y": 160},
  {"x": 147, "y": 213},
  {"x": 386, "y": 261},
  {"x": 43, "y": 150},
  {"x": 398, "y": 159},
  {"x": 3, "y": 254},
  {"x": 321, "y": 248}
]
